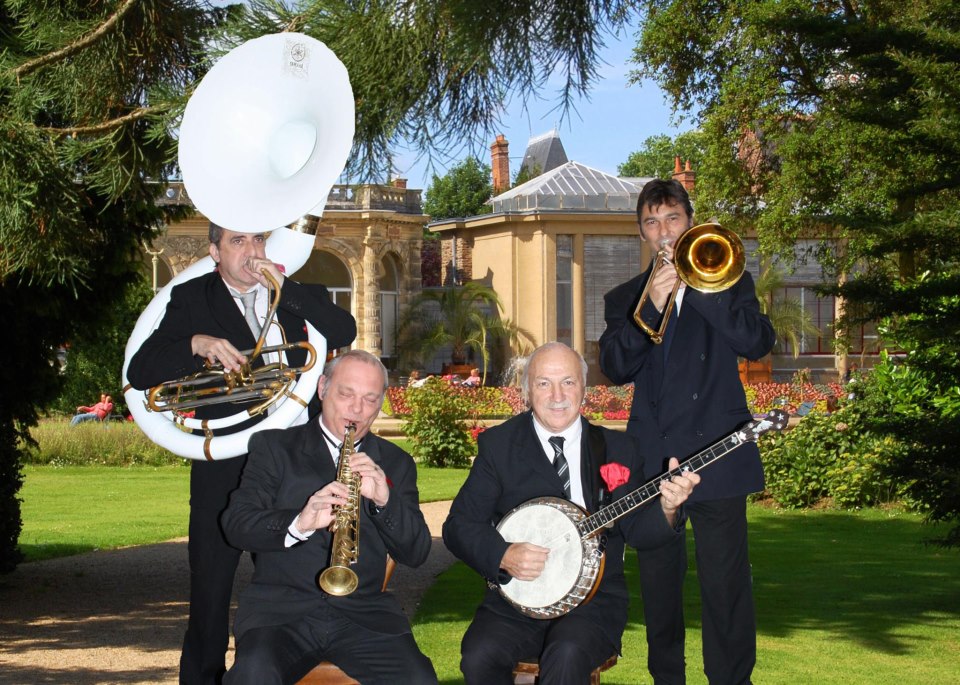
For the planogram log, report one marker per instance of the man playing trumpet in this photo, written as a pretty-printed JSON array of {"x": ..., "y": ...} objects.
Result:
[
  {"x": 286, "y": 624},
  {"x": 207, "y": 320},
  {"x": 687, "y": 394}
]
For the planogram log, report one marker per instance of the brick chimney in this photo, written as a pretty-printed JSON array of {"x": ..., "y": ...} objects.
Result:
[
  {"x": 500, "y": 163},
  {"x": 686, "y": 177},
  {"x": 399, "y": 183}
]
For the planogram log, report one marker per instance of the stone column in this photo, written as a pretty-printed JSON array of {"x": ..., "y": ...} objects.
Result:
[{"x": 368, "y": 324}]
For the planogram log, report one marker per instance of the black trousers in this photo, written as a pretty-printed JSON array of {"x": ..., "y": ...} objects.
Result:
[
  {"x": 569, "y": 648},
  {"x": 726, "y": 593},
  {"x": 275, "y": 655},
  {"x": 213, "y": 564}
]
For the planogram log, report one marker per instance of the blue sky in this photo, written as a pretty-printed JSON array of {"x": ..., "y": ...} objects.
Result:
[{"x": 605, "y": 128}]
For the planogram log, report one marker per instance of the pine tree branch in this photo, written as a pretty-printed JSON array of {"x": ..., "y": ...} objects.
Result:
[
  {"x": 77, "y": 45},
  {"x": 103, "y": 126}
]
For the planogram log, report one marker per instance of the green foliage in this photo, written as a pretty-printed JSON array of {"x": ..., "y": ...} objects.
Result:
[
  {"x": 438, "y": 424},
  {"x": 87, "y": 94},
  {"x": 526, "y": 173},
  {"x": 829, "y": 456},
  {"x": 907, "y": 406},
  {"x": 461, "y": 192},
  {"x": 462, "y": 317},
  {"x": 110, "y": 443},
  {"x": 838, "y": 122},
  {"x": 657, "y": 157},
  {"x": 96, "y": 354}
]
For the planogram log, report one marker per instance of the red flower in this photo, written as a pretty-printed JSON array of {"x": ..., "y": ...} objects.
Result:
[{"x": 614, "y": 475}]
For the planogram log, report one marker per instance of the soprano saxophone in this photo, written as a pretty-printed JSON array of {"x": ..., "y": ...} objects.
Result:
[{"x": 338, "y": 578}]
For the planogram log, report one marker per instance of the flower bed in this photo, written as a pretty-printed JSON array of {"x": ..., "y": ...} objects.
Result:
[{"x": 612, "y": 402}]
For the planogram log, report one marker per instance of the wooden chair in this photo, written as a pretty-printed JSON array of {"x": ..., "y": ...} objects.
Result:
[
  {"x": 326, "y": 673},
  {"x": 527, "y": 672}
]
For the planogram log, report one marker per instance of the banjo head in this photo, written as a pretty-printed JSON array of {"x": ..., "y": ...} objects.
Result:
[{"x": 573, "y": 565}]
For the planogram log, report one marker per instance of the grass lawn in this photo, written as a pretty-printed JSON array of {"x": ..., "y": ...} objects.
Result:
[
  {"x": 73, "y": 509},
  {"x": 842, "y": 598}
]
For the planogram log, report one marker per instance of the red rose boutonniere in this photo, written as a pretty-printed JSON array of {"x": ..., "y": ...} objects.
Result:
[{"x": 614, "y": 475}]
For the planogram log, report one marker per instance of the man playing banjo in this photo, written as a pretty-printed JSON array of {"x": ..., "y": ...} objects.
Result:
[{"x": 551, "y": 452}]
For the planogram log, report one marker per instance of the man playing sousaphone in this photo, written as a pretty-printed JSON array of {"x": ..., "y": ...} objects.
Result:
[
  {"x": 552, "y": 451},
  {"x": 206, "y": 320},
  {"x": 291, "y": 491}
]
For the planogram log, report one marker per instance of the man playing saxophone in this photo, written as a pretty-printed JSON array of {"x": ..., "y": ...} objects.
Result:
[{"x": 288, "y": 497}]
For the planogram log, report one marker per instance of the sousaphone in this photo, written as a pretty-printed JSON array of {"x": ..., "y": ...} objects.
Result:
[{"x": 263, "y": 139}]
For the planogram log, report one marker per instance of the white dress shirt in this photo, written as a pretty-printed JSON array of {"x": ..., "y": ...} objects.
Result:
[{"x": 571, "y": 452}]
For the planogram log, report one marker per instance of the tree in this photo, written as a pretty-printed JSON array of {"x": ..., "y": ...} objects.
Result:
[
  {"x": 463, "y": 191},
  {"x": 789, "y": 319},
  {"x": 838, "y": 121},
  {"x": 658, "y": 155},
  {"x": 85, "y": 115},
  {"x": 459, "y": 316},
  {"x": 96, "y": 354}
]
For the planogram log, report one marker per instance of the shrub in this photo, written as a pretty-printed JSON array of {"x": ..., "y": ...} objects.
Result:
[
  {"x": 114, "y": 443},
  {"x": 438, "y": 424},
  {"x": 829, "y": 456}
]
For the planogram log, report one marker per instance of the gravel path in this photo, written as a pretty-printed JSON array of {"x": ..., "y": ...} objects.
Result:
[{"x": 118, "y": 616}]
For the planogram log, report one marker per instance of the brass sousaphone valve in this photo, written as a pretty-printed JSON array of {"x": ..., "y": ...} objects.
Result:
[{"x": 708, "y": 258}]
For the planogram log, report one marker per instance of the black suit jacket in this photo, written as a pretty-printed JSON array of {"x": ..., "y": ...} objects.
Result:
[
  {"x": 204, "y": 305},
  {"x": 285, "y": 467},
  {"x": 510, "y": 469},
  {"x": 698, "y": 397}
]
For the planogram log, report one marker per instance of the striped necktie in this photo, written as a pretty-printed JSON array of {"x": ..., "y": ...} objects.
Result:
[{"x": 560, "y": 463}]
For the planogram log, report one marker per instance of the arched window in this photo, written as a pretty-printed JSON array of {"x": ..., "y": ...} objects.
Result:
[
  {"x": 389, "y": 306},
  {"x": 328, "y": 269}
]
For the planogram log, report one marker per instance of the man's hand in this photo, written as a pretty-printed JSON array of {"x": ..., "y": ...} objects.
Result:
[
  {"x": 676, "y": 490},
  {"x": 373, "y": 481},
  {"x": 663, "y": 282},
  {"x": 318, "y": 513},
  {"x": 256, "y": 266},
  {"x": 524, "y": 560},
  {"x": 217, "y": 350}
]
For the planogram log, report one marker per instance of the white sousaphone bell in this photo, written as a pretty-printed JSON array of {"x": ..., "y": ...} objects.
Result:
[{"x": 263, "y": 139}]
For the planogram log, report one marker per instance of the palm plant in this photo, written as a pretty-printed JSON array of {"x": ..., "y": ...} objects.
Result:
[
  {"x": 789, "y": 319},
  {"x": 463, "y": 317}
]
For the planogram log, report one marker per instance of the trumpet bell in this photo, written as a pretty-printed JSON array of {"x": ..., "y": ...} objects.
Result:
[
  {"x": 267, "y": 133},
  {"x": 709, "y": 258}
]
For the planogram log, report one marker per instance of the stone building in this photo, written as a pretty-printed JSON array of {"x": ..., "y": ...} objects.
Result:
[
  {"x": 554, "y": 245},
  {"x": 366, "y": 251}
]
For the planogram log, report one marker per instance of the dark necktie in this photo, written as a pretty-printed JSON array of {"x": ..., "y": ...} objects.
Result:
[
  {"x": 668, "y": 333},
  {"x": 249, "y": 313},
  {"x": 560, "y": 463}
]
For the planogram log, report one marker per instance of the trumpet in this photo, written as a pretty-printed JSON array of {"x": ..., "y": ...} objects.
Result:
[
  {"x": 708, "y": 258},
  {"x": 338, "y": 578},
  {"x": 214, "y": 385}
]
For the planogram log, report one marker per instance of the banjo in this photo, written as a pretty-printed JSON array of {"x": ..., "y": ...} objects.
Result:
[{"x": 575, "y": 565}]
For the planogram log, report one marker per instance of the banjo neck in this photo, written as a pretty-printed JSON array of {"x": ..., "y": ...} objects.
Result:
[{"x": 589, "y": 525}]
